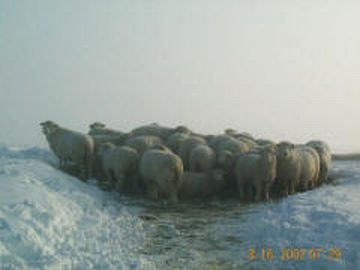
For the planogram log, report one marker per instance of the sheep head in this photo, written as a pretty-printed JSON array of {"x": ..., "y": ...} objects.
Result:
[
  {"x": 97, "y": 125},
  {"x": 49, "y": 127}
]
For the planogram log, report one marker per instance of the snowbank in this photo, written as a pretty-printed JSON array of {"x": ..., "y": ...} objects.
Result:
[{"x": 51, "y": 220}]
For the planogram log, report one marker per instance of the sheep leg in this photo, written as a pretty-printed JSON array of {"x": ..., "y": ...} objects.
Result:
[
  {"x": 61, "y": 163},
  {"x": 247, "y": 192},
  {"x": 266, "y": 195},
  {"x": 324, "y": 176},
  {"x": 152, "y": 192},
  {"x": 241, "y": 191},
  {"x": 258, "y": 192},
  {"x": 306, "y": 185},
  {"x": 173, "y": 198},
  {"x": 89, "y": 165},
  {"x": 266, "y": 190},
  {"x": 285, "y": 190},
  {"x": 83, "y": 175},
  {"x": 292, "y": 188},
  {"x": 311, "y": 184},
  {"x": 108, "y": 175},
  {"x": 88, "y": 170},
  {"x": 119, "y": 181},
  {"x": 136, "y": 184}
]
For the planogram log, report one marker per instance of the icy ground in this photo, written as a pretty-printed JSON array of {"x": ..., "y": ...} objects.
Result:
[{"x": 50, "y": 220}]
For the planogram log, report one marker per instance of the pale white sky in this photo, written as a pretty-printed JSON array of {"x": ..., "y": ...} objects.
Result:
[{"x": 278, "y": 69}]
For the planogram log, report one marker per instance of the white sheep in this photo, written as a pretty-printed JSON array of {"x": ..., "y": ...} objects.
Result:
[
  {"x": 256, "y": 171},
  {"x": 143, "y": 142},
  {"x": 98, "y": 128},
  {"x": 310, "y": 167},
  {"x": 325, "y": 159},
  {"x": 161, "y": 173},
  {"x": 287, "y": 170},
  {"x": 120, "y": 165},
  {"x": 202, "y": 158},
  {"x": 70, "y": 146},
  {"x": 186, "y": 146}
]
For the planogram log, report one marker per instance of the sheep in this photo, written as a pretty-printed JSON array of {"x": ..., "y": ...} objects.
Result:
[
  {"x": 70, "y": 146},
  {"x": 100, "y": 139},
  {"x": 153, "y": 129},
  {"x": 174, "y": 141},
  {"x": 186, "y": 146},
  {"x": 310, "y": 167},
  {"x": 262, "y": 142},
  {"x": 256, "y": 170},
  {"x": 143, "y": 142},
  {"x": 214, "y": 140},
  {"x": 235, "y": 134},
  {"x": 227, "y": 149},
  {"x": 161, "y": 172},
  {"x": 98, "y": 128},
  {"x": 288, "y": 169},
  {"x": 202, "y": 159},
  {"x": 325, "y": 159},
  {"x": 112, "y": 138},
  {"x": 120, "y": 165}
]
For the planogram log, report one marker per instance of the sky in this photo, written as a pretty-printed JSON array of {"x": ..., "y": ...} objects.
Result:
[{"x": 280, "y": 69}]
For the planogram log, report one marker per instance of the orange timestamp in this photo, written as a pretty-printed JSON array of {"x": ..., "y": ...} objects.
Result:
[{"x": 287, "y": 254}]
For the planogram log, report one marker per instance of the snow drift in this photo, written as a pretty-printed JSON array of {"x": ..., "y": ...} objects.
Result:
[{"x": 50, "y": 219}]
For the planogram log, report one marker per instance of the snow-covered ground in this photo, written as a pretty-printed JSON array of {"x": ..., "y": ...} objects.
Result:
[{"x": 50, "y": 220}]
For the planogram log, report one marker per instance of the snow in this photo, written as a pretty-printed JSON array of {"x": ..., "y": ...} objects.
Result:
[
  {"x": 50, "y": 220},
  {"x": 326, "y": 218}
]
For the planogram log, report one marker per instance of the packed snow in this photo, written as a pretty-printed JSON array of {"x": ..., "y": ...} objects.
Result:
[{"x": 50, "y": 220}]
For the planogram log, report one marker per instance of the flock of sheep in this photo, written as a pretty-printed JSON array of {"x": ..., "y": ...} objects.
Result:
[{"x": 170, "y": 163}]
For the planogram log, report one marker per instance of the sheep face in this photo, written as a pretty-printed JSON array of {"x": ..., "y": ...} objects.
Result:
[
  {"x": 49, "y": 127},
  {"x": 284, "y": 150}
]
